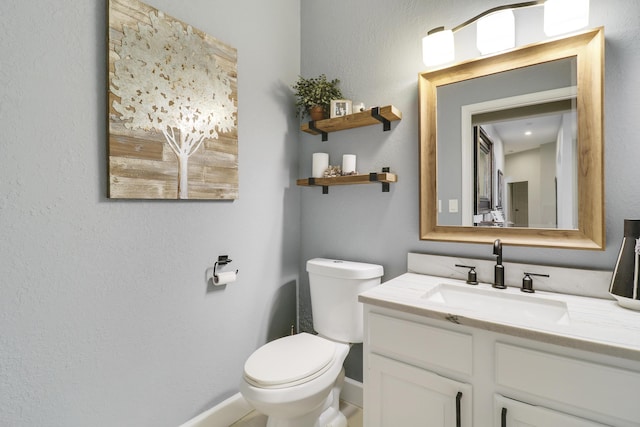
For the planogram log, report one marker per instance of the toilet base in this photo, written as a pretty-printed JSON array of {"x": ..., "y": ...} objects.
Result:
[
  {"x": 332, "y": 417},
  {"x": 326, "y": 415}
]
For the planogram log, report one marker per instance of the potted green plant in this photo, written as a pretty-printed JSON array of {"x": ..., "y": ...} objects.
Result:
[{"x": 314, "y": 95}]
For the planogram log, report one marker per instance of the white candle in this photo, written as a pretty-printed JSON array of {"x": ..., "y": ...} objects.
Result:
[
  {"x": 320, "y": 164},
  {"x": 348, "y": 163}
]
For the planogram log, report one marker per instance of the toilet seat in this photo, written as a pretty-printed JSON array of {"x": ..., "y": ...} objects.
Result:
[{"x": 289, "y": 361}]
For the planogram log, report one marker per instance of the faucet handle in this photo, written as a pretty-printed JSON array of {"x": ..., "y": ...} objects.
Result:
[
  {"x": 527, "y": 282},
  {"x": 472, "y": 277}
]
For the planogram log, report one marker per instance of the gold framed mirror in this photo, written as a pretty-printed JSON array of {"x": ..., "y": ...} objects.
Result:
[{"x": 582, "y": 53}]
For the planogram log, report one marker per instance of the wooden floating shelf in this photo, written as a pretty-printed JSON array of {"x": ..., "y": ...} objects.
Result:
[
  {"x": 383, "y": 178},
  {"x": 376, "y": 115}
]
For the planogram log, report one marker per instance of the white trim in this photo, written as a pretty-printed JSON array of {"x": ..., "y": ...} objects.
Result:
[
  {"x": 234, "y": 408},
  {"x": 352, "y": 392},
  {"x": 223, "y": 414}
]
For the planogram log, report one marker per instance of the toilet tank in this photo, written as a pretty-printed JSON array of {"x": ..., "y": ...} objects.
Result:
[{"x": 334, "y": 286}]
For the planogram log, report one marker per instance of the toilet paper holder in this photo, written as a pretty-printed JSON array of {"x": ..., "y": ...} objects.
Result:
[{"x": 222, "y": 261}]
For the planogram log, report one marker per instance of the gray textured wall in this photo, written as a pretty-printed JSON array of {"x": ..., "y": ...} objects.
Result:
[
  {"x": 105, "y": 316},
  {"x": 374, "y": 47}
]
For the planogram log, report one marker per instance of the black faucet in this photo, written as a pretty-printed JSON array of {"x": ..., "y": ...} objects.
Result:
[{"x": 498, "y": 270}]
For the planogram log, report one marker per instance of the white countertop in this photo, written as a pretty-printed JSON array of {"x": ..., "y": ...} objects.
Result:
[{"x": 594, "y": 324}]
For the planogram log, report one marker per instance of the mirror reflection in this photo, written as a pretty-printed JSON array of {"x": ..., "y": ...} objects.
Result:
[
  {"x": 511, "y": 146},
  {"x": 534, "y": 169}
]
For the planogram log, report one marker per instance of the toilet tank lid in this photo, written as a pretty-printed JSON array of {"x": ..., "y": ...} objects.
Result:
[{"x": 341, "y": 269}]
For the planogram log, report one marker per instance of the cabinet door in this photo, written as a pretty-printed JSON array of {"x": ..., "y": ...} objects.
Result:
[
  {"x": 512, "y": 413},
  {"x": 597, "y": 388},
  {"x": 398, "y": 394}
]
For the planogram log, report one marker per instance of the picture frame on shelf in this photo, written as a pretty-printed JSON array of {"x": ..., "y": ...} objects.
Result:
[{"x": 340, "y": 108}]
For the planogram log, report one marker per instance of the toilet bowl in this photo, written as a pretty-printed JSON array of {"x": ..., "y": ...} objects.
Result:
[
  {"x": 292, "y": 379},
  {"x": 296, "y": 380}
]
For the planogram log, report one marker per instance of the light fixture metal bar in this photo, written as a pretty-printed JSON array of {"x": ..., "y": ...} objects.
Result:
[
  {"x": 435, "y": 30},
  {"x": 496, "y": 9}
]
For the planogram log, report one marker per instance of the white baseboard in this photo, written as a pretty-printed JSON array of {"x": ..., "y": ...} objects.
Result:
[
  {"x": 352, "y": 392},
  {"x": 234, "y": 408},
  {"x": 223, "y": 414}
]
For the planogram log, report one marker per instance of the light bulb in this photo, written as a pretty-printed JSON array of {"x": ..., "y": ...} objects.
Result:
[
  {"x": 496, "y": 32},
  {"x": 563, "y": 16},
  {"x": 437, "y": 47}
]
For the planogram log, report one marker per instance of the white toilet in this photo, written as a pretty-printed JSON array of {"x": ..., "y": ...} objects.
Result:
[{"x": 296, "y": 380}]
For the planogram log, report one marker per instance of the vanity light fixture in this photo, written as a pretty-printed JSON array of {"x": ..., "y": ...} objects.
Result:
[
  {"x": 496, "y": 28},
  {"x": 562, "y": 16},
  {"x": 496, "y": 32},
  {"x": 437, "y": 47}
]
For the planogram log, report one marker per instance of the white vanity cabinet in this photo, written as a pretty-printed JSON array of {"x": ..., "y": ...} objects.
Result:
[
  {"x": 404, "y": 395},
  {"x": 403, "y": 388},
  {"x": 420, "y": 371}
]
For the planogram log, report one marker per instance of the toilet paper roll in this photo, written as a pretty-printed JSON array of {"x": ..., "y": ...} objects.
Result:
[
  {"x": 224, "y": 278},
  {"x": 348, "y": 163},
  {"x": 320, "y": 164}
]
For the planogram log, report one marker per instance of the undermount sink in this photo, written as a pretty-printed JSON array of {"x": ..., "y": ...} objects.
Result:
[{"x": 527, "y": 309}]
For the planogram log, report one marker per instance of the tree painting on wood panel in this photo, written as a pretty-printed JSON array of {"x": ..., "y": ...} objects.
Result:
[{"x": 173, "y": 130}]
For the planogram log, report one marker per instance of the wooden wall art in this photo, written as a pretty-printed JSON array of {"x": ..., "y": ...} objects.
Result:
[{"x": 173, "y": 98}]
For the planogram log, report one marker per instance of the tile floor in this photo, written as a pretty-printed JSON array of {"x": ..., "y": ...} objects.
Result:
[{"x": 352, "y": 412}]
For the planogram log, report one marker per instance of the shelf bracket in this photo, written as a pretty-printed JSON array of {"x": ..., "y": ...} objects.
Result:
[
  {"x": 312, "y": 126},
  {"x": 375, "y": 113},
  {"x": 312, "y": 181},
  {"x": 373, "y": 177}
]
